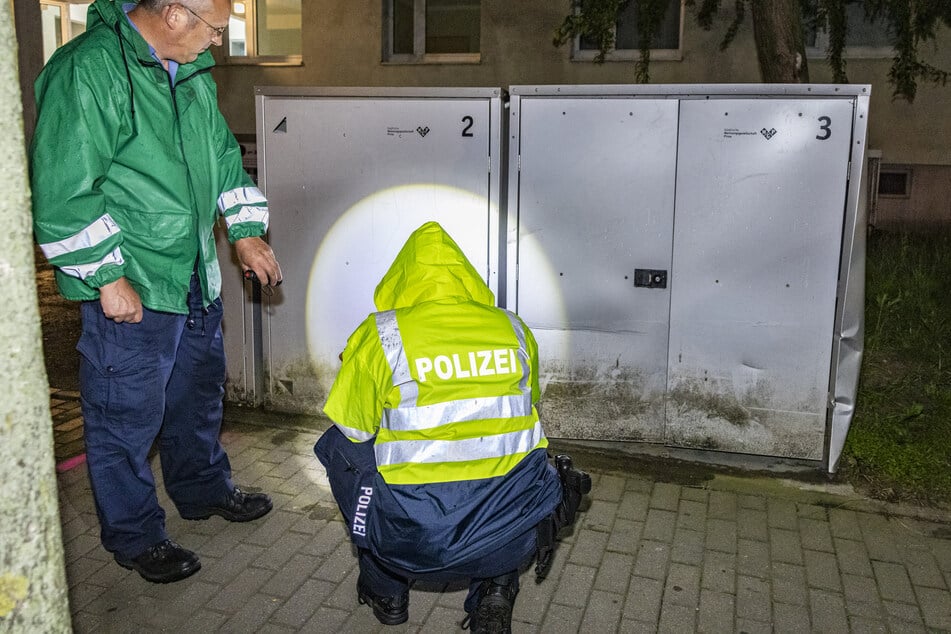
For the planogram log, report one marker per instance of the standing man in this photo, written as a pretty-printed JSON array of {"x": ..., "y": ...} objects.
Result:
[
  {"x": 437, "y": 458},
  {"x": 131, "y": 164}
]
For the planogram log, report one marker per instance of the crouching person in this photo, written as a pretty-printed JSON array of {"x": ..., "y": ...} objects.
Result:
[{"x": 437, "y": 458}]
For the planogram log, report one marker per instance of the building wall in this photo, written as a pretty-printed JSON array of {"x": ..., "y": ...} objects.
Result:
[
  {"x": 930, "y": 191},
  {"x": 343, "y": 44},
  {"x": 343, "y": 47}
]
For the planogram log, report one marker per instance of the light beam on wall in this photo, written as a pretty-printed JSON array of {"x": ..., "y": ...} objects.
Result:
[{"x": 345, "y": 271}]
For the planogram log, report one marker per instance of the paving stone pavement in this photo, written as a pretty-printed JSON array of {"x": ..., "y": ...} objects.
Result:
[
  {"x": 722, "y": 555},
  {"x": 67, "y": 424}
]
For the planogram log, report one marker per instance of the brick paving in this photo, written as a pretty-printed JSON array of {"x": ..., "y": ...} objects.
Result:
[
  {"x": 723, "y": 555},
  {"x": 67, "y": 425}
]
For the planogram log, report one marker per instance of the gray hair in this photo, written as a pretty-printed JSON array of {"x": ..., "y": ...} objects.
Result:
[{"x": 156, "y": 6}]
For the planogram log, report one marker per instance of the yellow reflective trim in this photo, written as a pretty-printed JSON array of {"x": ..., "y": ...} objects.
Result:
[
  {"x": 429, "y": 416},
  {"x": 411, "y": 473},
  {"x": 354, "y": 434},
  {"x": 437, "y": 451},
  {"x": 461, "y": 430}
]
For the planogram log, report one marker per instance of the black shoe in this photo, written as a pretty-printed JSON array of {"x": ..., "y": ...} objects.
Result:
[
  {"x": 493, "y": 614},
  {"x": 238, "y": 506},
  {"x": 164, "y": 562},
  {"x": 387, "y": 610}
]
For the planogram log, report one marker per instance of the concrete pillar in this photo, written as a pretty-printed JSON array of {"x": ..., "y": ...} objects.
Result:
[{"x": 32, "y": 575}]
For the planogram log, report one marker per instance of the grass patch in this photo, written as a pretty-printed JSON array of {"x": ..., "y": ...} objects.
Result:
[{"x": 899, "y": 444}]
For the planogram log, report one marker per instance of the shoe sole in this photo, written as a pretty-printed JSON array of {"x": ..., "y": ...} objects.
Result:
[
  {"x": 228, "y": 515},
  {"x": 169, "y": 578},
  {"x": 381, "y": 616}
]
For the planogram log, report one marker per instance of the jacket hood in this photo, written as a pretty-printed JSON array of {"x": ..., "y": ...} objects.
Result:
[
  {"x": 106, "y": 11},
  {"x": 430, "y": 266}
]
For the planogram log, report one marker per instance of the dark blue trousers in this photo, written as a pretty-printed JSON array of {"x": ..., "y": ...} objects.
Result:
[
  {"x": 161, "y": 378},
  {"x": 351, "y": 466}
]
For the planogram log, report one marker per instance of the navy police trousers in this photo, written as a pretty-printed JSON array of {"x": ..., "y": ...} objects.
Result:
[
  {"x": 160, "y": 378},
  {"x": 350, "y": 468}
]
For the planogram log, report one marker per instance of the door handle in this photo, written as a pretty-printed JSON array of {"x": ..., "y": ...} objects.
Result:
[{"x": 650, "y": 278}]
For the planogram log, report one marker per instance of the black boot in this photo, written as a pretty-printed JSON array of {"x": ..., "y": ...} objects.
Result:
[
  {"x": 493, "y": 613},
  {"x": 163, "y": 562},
  {"x": 387, "y": 610},
  {"x": 236, "y": 506}
]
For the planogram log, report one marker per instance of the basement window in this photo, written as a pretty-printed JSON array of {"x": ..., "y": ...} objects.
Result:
[{"x": 894, "y": 183}]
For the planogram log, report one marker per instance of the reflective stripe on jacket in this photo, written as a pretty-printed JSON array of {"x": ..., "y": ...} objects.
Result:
[{"x": 463, "y": 438}]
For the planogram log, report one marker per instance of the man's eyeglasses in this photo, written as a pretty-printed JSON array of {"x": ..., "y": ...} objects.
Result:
[{"x": 217, "y": 30}]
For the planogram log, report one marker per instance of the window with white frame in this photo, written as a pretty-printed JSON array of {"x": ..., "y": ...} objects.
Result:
[
  {"x": 864, "y": 37},
  {"x": 665, "y": 45},
  {"x": 264, "y": 31},
  {"x": 61, "y": 21},
  {"x": 431, "y": 30}
]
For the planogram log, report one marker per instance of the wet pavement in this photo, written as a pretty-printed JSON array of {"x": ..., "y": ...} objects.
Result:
[{"x": 681, "y": 548}]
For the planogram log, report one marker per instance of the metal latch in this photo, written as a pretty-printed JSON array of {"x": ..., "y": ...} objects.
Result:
[{"x": 650, "y": 278}]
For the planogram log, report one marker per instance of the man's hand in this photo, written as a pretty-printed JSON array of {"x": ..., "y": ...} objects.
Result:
[
  {"x": 120, "y": 302},
  {"x": 255, "y": 254}
]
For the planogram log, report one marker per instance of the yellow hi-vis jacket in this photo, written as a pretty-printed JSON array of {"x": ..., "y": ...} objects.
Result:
[{"x": 444, "y": 382}]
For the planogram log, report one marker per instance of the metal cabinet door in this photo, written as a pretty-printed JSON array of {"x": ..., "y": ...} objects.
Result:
[
  {"x": 761, "y": 188},
  {"x": 348, "y": 179},
  {"x": 240, "y": 326},
  {"x": 594, "y": 203}
]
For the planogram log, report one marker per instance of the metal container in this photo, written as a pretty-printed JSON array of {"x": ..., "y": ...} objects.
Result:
[
  {"x": 690, "y": 259},
  {"x": 349, "y": 173}
]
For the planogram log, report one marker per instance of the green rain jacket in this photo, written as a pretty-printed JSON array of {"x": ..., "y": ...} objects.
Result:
[
  {"x": 442, "y": 380},
  {"x": 129, "y": 172}
]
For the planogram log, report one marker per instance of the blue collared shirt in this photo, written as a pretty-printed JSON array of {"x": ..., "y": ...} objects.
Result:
[{"x": 172, "y": 64}]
